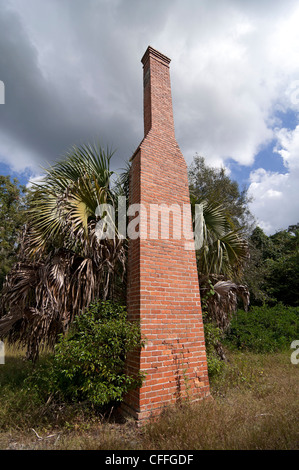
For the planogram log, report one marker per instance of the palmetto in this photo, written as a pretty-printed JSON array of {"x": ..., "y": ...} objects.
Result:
[
  {"x": 220, "y": 260},
  {"x": 62, "y": 265},
  {"x": 223, "y": 249}
]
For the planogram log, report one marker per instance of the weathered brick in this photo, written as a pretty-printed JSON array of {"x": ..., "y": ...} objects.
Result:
[{"x": 163, "y": 290}]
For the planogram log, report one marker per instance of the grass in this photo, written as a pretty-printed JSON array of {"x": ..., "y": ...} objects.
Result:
[{"x": 255, "y": 405}]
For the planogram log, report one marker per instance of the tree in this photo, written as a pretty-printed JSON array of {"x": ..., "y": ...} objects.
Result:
[
  {"x": 62, "y": 265},
  {"x": 283, "y": 266},
  {"x": 224, "y": 251},
  {"x": 260, "y": 248},
  {"x": 11, "y": 216},
  {"x": 89, "y": 363},
  {"x": 214, "y": 185},
  {"x": 273, "y": 270},
  {"x": 283, "y": 279},
  {"x": 220, "y": 259}
]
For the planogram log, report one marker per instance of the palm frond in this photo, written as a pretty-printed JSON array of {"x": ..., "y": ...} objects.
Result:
[
  {"x": 223, "y": 249},
  {"x": 222, "y": 304},
  {"x": 63, "y": 265}
]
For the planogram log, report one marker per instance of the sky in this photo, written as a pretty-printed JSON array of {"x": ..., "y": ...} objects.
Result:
[{"x": 71, "y": 73}]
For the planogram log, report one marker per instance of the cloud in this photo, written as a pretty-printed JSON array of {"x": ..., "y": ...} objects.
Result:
[
  {"x": 35, "y": 180},
  {"x": 57, "y": 93},
  {"x": 72, "y": 73},
  {"x": 238, "y": 69},
  {"x": 275, "y": 195}
]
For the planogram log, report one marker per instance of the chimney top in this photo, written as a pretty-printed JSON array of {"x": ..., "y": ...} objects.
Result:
[
  {"x": 155, "y": 54},
  {"x": 157, "y": 102}
]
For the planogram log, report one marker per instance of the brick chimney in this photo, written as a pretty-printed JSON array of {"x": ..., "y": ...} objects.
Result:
[
  {"x": 157, "y": 102},
  {"x": 163, "y": 289}
]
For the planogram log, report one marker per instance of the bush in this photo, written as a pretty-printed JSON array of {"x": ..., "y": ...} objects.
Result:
[
  {"x": 264, "y": 329},
  {"x": 213, "y": 337},
  {"x": 89, "y": 362}
]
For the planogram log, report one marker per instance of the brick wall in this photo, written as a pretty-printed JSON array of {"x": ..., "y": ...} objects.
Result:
[{"x": 163, "y": 290}]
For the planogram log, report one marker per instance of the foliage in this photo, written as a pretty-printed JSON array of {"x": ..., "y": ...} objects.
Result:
[
  {"x": 223, "y": 252},
  {"x": 214, "y": 351},
  {"x": 255, "y": 271},
  {"x": 221, "y": 258},
  {"x": 89, "y": 362},
  {"x": 282, "y": 278},
  {"x": 223, "y": 249},
  {"x": 213, "y": 337},
  {"x": 264, "y": 329},
  {"x": 272, "y": 272},
  {"x": 223, "y": 302},
  {"x": 63, "y": 263},
  {"x": 214, "y": 185},
  {"x": 255, "y": 407},
  {"x": 11, "y": 216}
]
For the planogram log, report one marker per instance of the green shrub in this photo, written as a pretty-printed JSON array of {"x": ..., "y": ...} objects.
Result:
[
  {"x": 213, "y": 337},
  {"x": 264, "y": 329},
  {"x": 89, "y": 362}
]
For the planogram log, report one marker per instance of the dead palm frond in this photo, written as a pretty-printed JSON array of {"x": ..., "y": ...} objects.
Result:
[
  {"x": 221, "y": 260},
  {"x": 63, "y": 265},
  {"x": 223, "y": 250},
  {"x": 224, "y": 301}
]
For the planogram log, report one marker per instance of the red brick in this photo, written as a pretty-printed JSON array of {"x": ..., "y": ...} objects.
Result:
[{"x": 163, "y": 290}]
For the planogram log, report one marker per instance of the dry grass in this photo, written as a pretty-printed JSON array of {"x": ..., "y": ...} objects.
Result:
[{"x": 255, "y": 405}]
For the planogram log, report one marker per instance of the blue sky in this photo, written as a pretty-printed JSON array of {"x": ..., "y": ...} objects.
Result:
[
  {"x": 22, "y": 177},
  {"x": 72, "y": 75},
  {"x": 266, "y": 158}
]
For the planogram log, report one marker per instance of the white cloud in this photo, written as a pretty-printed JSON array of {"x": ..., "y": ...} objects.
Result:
[
  {"x": 230, "y": 75},
  {"x": 35, "y": 180},
  {"x": 72, "y": 73},
  {"x": 288, "y": 147},
  {"x": 275, "y": 195},
  {"x": 233, "y": 63}
]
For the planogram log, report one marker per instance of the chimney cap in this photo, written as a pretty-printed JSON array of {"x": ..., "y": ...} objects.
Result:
[{"x": 156, "y": 54}]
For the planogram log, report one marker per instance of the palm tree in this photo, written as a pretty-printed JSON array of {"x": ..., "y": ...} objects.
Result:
[
  {"x": 62, "y": 265},
  {"x": 220, "y": 262}
]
